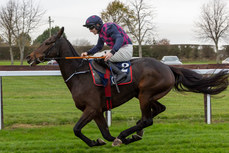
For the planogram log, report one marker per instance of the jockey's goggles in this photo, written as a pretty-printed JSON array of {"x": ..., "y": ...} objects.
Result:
[{"x": 91, "y": 27}]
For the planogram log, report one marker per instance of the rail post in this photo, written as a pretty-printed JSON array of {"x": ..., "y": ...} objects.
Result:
[
  {"x": 1, "y": 105},
  {"x": 207, "y": 108}
]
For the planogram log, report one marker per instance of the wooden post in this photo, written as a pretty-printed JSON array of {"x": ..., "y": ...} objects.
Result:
[{"x": 1, "y": 105}]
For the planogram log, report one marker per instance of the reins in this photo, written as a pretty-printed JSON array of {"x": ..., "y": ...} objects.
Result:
[
  {"x": 81, "y": 72},
  {"x": 76, "y": 73}
]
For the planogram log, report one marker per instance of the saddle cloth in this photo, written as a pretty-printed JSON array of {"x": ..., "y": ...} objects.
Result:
[{"x": 99, "y": 73}]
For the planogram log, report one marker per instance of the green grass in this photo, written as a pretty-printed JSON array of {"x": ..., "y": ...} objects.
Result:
[
  {"x": 17, "y": 62},
  {"x": 161, "y": 138},
  {"x": 200, "y": 62},
  {"x": 39, "y": 115}
]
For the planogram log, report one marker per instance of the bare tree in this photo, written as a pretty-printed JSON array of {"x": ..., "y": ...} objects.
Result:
[
  {"x": 214, "y": 23},
  {"x": 27, "y": 18},
  {"x": 7, "y": 15},
  {"x": 141, "y": 27}
]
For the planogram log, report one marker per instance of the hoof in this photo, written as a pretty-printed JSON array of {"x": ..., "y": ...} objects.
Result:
[
  {"x": 136, "y": 137},
  {"x": 140, "y": 133},
  {"x": 117, "y": 142},
  {"x": 101, "y": 142}
]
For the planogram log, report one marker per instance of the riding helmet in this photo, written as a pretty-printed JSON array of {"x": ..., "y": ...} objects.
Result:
[{"x": 93, "y": 21}]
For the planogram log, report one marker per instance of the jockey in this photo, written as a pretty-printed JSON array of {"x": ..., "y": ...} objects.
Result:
[{"x": 121, "y": 48}]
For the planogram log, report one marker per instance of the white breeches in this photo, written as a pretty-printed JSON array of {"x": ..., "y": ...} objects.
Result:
[{"x": 125, "y": 53}]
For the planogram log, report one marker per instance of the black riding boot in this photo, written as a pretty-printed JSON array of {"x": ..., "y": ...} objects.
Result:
[{"x": 119, "y": 74}]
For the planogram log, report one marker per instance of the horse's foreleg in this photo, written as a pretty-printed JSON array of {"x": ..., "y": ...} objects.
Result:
[
  {"x": 102, "y": 125},
  {"x": 87, "y": 116}
]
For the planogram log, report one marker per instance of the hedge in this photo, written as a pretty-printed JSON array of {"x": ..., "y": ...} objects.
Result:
[{"x": 157, "y": 51}]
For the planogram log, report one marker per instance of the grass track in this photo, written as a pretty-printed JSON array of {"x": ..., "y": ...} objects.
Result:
[{"x": 161, "y": 138}]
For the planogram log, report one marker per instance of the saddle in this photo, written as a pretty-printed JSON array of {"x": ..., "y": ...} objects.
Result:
[{"x": 100, "y": 72}]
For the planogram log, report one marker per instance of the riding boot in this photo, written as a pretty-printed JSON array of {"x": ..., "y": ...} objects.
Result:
[{"x": 119, "y": 74}]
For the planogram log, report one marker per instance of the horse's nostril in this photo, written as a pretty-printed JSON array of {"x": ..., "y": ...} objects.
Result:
[{"x": 28, "y": 57}]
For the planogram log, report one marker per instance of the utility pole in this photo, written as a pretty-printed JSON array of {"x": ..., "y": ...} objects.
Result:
[{"x": 50, "y": 21}]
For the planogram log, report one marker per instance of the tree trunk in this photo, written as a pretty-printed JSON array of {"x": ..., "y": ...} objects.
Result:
[
  {"x": 10, "y": 47},
  {"x": 21, "y": 45},
  {"x": 218, "y": 55},
  {"x": 11, "y": 55},
  {"x": 22, "y": 48},
  {"x": 140, "y": 49}
]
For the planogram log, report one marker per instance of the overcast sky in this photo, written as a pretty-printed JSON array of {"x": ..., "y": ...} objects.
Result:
[{"x": 174, "y": 18}]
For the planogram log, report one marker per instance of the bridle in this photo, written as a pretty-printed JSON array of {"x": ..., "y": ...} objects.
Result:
[{"x": 48, "y": 52}]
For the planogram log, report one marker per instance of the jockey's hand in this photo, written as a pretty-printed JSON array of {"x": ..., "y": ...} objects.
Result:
[
  {"x": 83, "y": 54},
  {"x": 108, "y": 56}
]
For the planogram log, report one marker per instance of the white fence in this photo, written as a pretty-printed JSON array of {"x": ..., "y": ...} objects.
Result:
[
  {"x": 57, "y": 73},
  {"x": 21, "y": 73}
]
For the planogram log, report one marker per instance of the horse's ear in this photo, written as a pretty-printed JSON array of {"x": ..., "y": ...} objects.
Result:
[
  {"x": 55, "y": 37},
  {"x": 59, "y": 34}
]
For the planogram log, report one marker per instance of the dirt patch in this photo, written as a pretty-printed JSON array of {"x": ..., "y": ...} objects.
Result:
[{"x": 16, "y": 126}]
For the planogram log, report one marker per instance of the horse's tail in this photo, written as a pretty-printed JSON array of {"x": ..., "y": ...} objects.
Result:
[{"x": 188, "y": 80}]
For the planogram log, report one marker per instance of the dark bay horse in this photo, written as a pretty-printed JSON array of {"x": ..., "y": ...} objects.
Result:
[{"x": 151, "y": 81}]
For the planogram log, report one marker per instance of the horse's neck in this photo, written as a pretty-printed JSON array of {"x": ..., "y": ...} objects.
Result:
[
  {"x": 68, "y": 67},
  {"x": 66, "y": 49}
]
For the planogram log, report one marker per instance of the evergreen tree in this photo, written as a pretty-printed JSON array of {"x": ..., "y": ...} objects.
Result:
[{"x": 45, "y": 35}]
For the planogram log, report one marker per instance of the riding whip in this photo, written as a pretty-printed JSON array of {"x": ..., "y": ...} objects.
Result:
[{"x": 75, "y": 57}]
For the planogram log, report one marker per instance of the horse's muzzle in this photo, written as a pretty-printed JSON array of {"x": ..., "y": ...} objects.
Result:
[
  {"x": 29, "y": 60},
  {"x": 32, "y": 61}
]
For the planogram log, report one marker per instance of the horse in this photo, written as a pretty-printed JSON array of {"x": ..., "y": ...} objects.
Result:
[{"x": 151, "y": 81}]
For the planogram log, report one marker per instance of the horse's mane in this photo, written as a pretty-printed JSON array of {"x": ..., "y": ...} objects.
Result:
[{"x": 72, "y": 48}]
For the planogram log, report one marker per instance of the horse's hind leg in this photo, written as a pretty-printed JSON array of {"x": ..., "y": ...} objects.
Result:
[
  {"x": 157, "y": 108},
  {"x": 87, "y": 116},
  {"x": 152, "y": 87},
  {"x": 144, "y": 122},
  {"x": 149, "y": 109}
]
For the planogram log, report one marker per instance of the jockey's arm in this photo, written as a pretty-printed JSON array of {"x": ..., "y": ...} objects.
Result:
[{"x": 97, "y": 47}]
